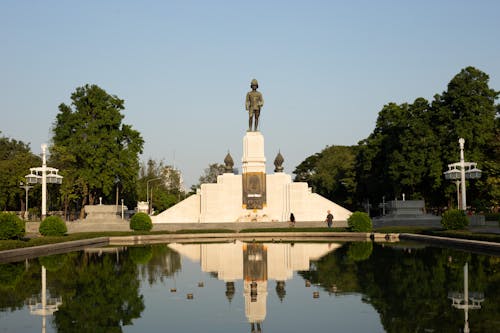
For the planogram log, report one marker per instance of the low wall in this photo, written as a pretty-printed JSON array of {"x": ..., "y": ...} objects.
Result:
[{"x": 44, "y": 250}]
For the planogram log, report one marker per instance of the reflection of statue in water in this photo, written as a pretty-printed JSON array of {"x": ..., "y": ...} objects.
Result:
[{"x": 254, "y": 102}]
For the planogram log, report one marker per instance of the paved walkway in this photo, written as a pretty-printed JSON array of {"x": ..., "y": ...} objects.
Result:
[{"x": 74, "y": 227}]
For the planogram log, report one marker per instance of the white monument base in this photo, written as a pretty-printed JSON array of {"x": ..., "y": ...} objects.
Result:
[{"x": 223, "y": 201}]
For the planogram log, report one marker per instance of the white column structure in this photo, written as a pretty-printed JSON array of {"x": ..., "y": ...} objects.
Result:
[
  {"x": 459, "y": 172},
  {"x": 44, "y": 181},
  {"x": 43, "y": 175},
  {"x": 461, "y": 141},
  {"x": 254, "y": 159}
]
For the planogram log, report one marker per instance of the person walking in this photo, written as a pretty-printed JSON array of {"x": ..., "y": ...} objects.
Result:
[
  {"x": 329, "y": 219},
  {"x": 292, "y": 220}
]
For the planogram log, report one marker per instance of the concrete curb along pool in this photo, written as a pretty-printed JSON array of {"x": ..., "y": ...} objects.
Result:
[
  {"x": 465, "y": 243},
  {"x": 48, "y": 249},
  {"x": 36, "y": 251},
  {"x": 63, "y": 247}
]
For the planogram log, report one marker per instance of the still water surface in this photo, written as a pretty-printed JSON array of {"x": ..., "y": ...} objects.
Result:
[{"x": 254, "y": 287}]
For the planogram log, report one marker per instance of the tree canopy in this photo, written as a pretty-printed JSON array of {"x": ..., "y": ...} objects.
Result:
[
  {"x": 411, "y": 146},
  {"x": 210, "y": 175},
  {"x": 166, "y": 189},
  {"x": 15, "y": 160},
  {"x": 94, "y": 150},
  {"x": 330, "y": 173}
]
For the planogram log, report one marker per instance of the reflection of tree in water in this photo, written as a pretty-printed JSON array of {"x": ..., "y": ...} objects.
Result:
[
  {"x": 162, "y": 263},
  {"x": 17, "y": 283},
  {"x": 100, "y": 294},
  {"x": 359, "y": 251},
  {"x": 409, "y": 287}
]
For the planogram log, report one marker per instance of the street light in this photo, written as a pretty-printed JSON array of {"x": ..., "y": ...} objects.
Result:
[
  {"x": 460, "y": 171},
  {"x": 43, "y": 175},
  {"x": 147, "y": 192},
  {"x": 26, "y": 188}
]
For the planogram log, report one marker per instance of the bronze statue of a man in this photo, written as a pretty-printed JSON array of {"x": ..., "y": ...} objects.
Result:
[{"x": 253, "y": 104}]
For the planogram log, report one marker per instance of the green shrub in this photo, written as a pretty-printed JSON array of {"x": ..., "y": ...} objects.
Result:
[
  {"x": 454, "y": 219},
  {"x": 360, "y": 222},
  {"x": 53, "y": 226},
  {"x": 141, "y": 222},
  {"x": 11, "y": 226}
]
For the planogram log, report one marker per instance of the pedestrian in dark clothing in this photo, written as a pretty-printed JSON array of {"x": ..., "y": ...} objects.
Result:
[{"x": 329, "y": 219}]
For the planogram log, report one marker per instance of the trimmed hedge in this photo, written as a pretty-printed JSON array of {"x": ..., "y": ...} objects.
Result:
[
  {"x": 53, "y": 226},
  {"x": 360, "y": 222},
  {"x": 11, "y": 226},
  {"x": 454, "y": 219},
  {"x": 141, "y": 222}
]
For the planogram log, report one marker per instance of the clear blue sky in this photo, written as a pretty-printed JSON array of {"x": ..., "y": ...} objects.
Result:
[{"x": 325, "y": 68}]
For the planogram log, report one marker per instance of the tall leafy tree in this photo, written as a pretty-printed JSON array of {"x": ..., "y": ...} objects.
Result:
[
  {"x": 210, "y": 175},
  {"x": 93, "y": 149},
  {"x": 330, "y": 173},
  {"x": 15, "y": 160},
  {"x": 167, "y": 187},
  {"x": 467, "y": 110},
  {"x": 412, "y": 144},
  {"x": 401, "y": 155}
]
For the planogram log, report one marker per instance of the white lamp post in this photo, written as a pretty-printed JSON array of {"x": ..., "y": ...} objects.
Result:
[
  {"x": 147, "y": 192},
  {"x": 460, "y": 171},
  {"x": 26, "y": 188},
  {"x": 43, "y": 175}
]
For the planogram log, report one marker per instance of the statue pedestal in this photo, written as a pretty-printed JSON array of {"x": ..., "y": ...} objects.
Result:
[
  {"x": 254, "y": 172},
  {"x": 253, "y": 159}
]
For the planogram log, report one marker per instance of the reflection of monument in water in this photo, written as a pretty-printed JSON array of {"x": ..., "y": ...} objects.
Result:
[
  {"x": 41, "y": 305},
  {"x": 253, "y": 196},
  {"x": 466, "y": 301},
  {"x": 255, "y": 264}
]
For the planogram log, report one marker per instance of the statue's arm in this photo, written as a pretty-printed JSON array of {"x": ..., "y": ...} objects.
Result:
[
  {"x": 247, "y": 102},
  {"x": 261, "y": 104}
]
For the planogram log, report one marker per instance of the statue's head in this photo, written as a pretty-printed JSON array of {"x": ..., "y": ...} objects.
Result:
[{"x": 254, "y": 83}]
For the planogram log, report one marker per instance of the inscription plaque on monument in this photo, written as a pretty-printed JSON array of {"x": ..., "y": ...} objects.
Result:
[{"x": 254, "y": 190}]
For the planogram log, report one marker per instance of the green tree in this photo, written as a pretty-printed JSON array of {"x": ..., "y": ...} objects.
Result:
[
  {"x": 401, "y": 155},
  {"x": 166, "y": 191},
  {"x": 16, "y": 159},
  {"x": 210, "y": 175},
  {"x": 92, "y": 286},
  {"x": 330, "y": 173},
  {"x": 93, "y": 149},
  {"x": 467, "y": 110},
  {"x": 412, "y": 143}
]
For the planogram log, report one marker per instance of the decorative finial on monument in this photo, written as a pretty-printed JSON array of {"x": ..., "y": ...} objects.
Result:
[
  {"x": 229, "y": 163},
  {"x": 278, "y": 163}
]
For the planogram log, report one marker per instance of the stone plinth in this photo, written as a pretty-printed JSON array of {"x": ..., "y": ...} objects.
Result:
[
  {"x": 103, "y": 213},
  {"x": 407, "y": 212},
  {"x": 406, "y": 207},
  {"x": 253, "y": 159}
]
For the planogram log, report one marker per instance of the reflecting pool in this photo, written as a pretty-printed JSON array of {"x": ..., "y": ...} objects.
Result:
[{"x": 254, "y": 287}]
